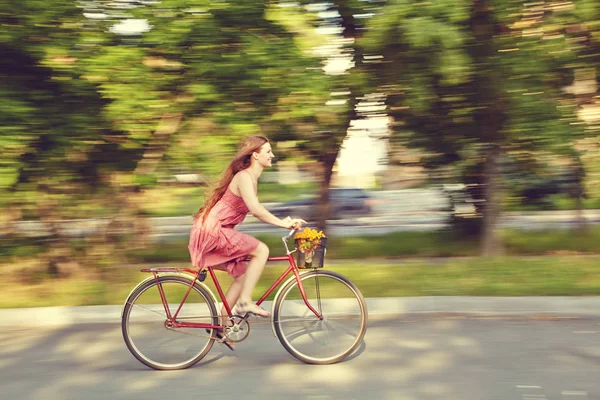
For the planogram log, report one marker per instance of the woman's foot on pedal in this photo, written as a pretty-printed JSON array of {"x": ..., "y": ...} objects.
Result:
[{"x": 251, "y": 308}]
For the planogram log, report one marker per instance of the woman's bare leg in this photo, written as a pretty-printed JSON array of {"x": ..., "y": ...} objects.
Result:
[
  {"x": 255, "y": 267},
  {"x": 232, "y": 295}
]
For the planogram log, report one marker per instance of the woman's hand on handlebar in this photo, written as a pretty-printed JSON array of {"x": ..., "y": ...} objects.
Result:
[{"x": 293, "y": 223}]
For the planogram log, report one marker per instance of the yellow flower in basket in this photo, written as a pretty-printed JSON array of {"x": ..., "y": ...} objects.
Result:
[
  {"x": 307, "y": 243},
  {"x": 309, "y": 239}
]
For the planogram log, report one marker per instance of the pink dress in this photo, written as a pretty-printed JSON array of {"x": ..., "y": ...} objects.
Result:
[{"x": 216, "y": 241}]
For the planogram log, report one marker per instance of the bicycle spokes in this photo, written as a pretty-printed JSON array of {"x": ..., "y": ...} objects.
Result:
[
  {"x": 320, "y": 340},
  {"x": 159, "y": 341}
]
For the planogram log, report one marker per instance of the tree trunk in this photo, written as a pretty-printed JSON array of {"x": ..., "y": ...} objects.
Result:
[
  {"x": 490, "y": 116},
  {"x": 158, "y": 144},
  {"x": 580, "y": 221},
  {"x": 323, "y": 208},
  {"x": 491, "y": 245}
]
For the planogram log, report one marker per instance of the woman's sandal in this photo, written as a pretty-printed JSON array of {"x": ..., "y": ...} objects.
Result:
[
  {"x": 220, "y": 334},
  {"x": 249, "y": 308}
]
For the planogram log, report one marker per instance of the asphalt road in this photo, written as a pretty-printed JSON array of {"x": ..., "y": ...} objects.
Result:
[{"x": 410, "y": 357}]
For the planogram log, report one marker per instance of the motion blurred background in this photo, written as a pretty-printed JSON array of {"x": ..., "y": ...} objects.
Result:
[{"x": 444, "y": 128}]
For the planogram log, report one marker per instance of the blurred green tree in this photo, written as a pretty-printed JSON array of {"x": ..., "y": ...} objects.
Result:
[
  {"x": 475, "y": 82},
  {"x": 210, "y": 73},
  {"x": 52, "y": 132}
]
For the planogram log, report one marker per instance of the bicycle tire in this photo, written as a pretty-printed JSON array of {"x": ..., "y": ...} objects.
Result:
[
  {"x": 183, "y": 284},
  {"x": 290, "y": 308}
]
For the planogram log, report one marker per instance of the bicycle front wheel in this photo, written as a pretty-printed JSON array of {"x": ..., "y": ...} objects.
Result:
[
  {"x": 145, "y": 330},
  {"x": 320, "y": 341}
]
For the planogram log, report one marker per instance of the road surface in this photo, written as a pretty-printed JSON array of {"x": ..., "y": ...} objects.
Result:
[{"x": 411, "y": 357}]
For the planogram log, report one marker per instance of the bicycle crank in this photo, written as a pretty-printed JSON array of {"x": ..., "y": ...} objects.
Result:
[{"x": 239, "y": 330}]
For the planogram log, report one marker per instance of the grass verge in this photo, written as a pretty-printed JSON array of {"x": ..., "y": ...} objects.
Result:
[{"x": 507, "y": 276}]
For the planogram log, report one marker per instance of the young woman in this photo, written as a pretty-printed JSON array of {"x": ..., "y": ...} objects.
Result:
[{"x": 215, "y": 242}]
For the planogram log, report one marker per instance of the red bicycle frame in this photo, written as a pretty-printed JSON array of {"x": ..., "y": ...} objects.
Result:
[{"x": 172, "y": 319}]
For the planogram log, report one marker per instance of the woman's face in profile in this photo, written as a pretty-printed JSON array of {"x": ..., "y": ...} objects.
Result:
[{"x": 265, "y": 155}]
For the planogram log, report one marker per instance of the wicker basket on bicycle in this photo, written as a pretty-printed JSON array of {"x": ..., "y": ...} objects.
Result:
[{"x": 311, "y": 248}]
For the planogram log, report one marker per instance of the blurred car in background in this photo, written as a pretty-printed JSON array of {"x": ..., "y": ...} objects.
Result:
[{"x": 344, "y": 202}]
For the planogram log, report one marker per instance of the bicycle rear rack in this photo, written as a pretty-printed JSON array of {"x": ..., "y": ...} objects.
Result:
[{"x": 169, "y": 269}]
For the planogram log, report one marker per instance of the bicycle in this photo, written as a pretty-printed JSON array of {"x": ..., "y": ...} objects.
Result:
[{"x": 174, "y": 303}]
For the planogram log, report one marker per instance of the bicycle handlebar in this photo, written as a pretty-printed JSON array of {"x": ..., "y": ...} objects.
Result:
[{"x": 289, "y": 235}]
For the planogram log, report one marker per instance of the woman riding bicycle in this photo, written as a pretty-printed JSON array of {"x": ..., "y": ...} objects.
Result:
[
  {"x": 215, "y": 242},
  {"x": 319, "y": 316}
]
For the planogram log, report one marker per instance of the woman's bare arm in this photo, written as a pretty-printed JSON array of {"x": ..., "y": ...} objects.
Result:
[{"x": 245, "y": 186}]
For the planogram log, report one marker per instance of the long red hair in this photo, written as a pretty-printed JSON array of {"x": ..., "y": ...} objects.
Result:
[{"x": 240, "y": 162}]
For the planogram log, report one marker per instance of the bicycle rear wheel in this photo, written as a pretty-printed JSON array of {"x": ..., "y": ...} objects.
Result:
[
  {"x": 325, "y": 341},
  {"x": 146, "y": 334}
]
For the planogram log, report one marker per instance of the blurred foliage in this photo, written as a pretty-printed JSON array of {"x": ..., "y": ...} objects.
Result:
[
  {"x": 103, "y": 100},
  {"x": 464, "y": 78},
  {"x": 95, "y": 108},
  {"x": 481, "y": 84}
]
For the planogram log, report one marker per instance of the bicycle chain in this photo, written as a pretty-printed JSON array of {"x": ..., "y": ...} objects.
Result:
[
  {"x": 243, "y": 319},
  {"x": 196, "y": 335}
]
